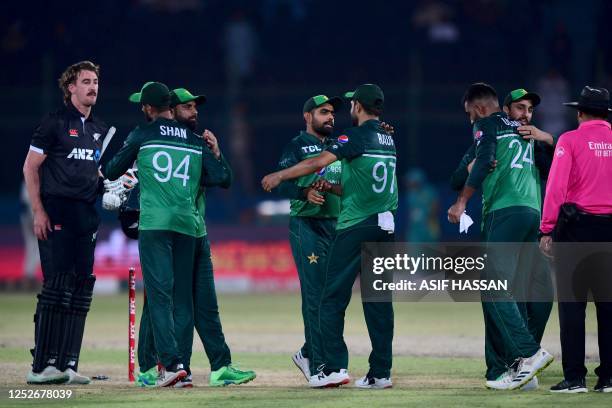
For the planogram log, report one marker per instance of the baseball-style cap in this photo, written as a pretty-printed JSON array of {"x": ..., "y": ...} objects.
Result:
[
  {"x": 519, "y": 94},
  {"x": 179, "y": 96},
  {"x": 152, "y": 93},
  {"x": 592, "y": 99},
  {"x": 319, "y": 100},
  {"x": 369, "y": 95}
]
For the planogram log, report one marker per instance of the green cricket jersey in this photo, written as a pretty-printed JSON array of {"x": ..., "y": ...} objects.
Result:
[
  {"x": 369, "y": 183},
  {"x": 514, "y": 181},
  {"x": 300, "y": 148},
  {"x": 170, "y": 168}
]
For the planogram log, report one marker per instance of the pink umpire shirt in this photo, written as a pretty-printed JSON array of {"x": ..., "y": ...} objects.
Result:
[{"x": 581, "y": 172}]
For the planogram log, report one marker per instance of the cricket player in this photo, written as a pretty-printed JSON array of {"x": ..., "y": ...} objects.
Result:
[
  {"x": 170, "y": 166},
  {"x": 368, "y": 205},
  {"x": 519, "y": 105},
  {"x": 205, "y": 314},
  {"x": 511, "y": 213},
  {"x": 63, "y": 184},
  {"x": 313, "y": 216}
]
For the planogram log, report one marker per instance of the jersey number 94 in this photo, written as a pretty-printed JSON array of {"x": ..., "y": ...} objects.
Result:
[{"x": 162, "y": 162}]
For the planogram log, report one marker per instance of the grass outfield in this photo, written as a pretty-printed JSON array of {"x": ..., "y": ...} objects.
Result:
[{"x": 262, "y": 330}]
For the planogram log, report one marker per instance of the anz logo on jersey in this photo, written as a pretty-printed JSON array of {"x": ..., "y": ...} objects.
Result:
[{"x": 83, "y": 154}]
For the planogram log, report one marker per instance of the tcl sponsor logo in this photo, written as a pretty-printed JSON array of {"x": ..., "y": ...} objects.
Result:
[{"x": 311, "y": 149}]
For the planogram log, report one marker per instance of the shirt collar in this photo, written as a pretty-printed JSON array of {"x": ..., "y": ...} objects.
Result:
[
  {"x": 596, "y": 122},
  {"x": 75, "y": 112}
]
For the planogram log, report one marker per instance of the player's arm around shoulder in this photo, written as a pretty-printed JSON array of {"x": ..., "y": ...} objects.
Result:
[
  {"x": 291, "y": 155},
  {"x": 304, "y": 167}
]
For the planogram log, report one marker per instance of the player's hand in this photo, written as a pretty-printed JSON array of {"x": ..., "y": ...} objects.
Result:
[
  {"x": 271, "y": 181},
  {"x": 314, "y": 197},
  {"x": 42, "y": 224},
  {"x": 455, "y": 211},
  {"x": 387, "y": 128},
  {"x": 322, "y": 185},
  {"x": 123, "y": 184},
  {"x": 112, "y": 201},
  {"x": 212, "y": 142},
  {"x": 529, "y": 132},
  {"x": 129, "y": 179},
  {"x": 546, "y": 246}
]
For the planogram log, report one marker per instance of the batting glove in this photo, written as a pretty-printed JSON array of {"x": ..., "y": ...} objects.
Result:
[{"x": 112, "y": 201}]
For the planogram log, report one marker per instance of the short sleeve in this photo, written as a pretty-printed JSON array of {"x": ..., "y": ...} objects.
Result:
[{"x": 44, "y": 135}]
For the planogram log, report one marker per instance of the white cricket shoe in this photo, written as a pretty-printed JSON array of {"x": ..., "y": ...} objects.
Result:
[
  {"x": 50, "y": 375},
  {"x": 76, "y": 378},
  {"x": 371, "y": 382},
  {"x": 503, "y": 382},
  {"x": 534, "y": 384},
  {"x": 334, "y": 379},
  {"x": 530, "y": 367},
  {"x": 169, "y": 376},
  {"x": 302, "y": 363}
]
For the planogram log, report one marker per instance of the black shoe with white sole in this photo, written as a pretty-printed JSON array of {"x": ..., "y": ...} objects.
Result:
[
  {"x": 570, "y": 387},
  {"x": 603, "y": 385}
]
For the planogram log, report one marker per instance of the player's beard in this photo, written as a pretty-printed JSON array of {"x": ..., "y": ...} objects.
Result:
[
  {"x": 354, "y": 119},
  {"x": 191, "y": 123},
  {"x": 321, "y": 129},
  {"x": 147, "y": 117}
]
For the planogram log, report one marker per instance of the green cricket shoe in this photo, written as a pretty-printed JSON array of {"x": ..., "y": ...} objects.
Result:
[
  {"x": 230, "y": 375},
  {"x": 148, "y": 379}
]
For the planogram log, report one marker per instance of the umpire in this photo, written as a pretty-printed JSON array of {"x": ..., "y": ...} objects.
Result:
[
  {"x": 62, "y": 180},
  {"x": 578, "y": 208}
]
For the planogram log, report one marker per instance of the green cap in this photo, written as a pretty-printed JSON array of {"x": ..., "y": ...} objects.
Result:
[
  {"x": 519, "y": 94},
  {"x": 369, "y": 95},
  {"x": 152, "y": 93},
  {"x": 179, "y": 96},
  {"x": 319, "y": 100}
]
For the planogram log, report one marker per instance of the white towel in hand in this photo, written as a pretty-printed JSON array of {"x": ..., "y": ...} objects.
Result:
[
  {"x": 464, "y": 223},
  {"x": 386, "y": 222}
]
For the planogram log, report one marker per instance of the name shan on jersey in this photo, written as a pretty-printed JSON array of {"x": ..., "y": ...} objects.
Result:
[{"x": 173, "y": 131}]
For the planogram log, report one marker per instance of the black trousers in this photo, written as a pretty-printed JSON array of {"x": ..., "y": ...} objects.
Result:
[
  {"x": 67, "y": 258},
  {"x": 69, "y": 248},
  {"x": 580, "y": 278}
]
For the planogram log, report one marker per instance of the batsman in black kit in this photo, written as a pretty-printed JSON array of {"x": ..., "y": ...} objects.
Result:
[{"x": 63, "y": 183}]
